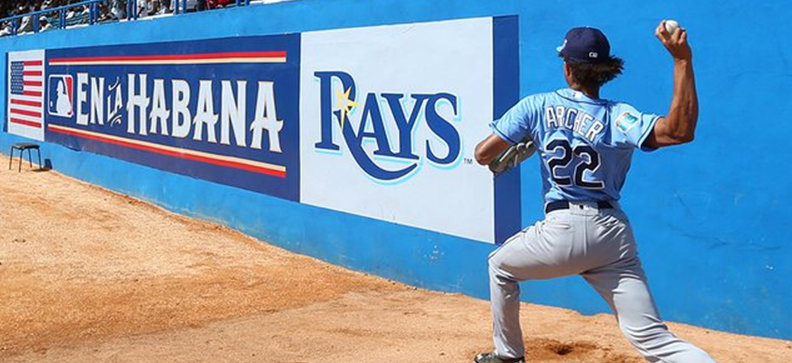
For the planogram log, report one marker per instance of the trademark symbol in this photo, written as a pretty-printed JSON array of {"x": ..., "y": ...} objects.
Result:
[{"x": 468, "y": 161}]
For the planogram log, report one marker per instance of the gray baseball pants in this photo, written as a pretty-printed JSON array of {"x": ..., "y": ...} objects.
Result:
[{"x": 599, "y": 245}]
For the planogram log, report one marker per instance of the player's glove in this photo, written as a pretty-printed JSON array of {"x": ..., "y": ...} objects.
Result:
[{"x": 512, "y": 156}]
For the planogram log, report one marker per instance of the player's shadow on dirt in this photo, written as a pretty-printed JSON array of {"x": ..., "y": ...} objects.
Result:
[{"x": 550, "y": 350}]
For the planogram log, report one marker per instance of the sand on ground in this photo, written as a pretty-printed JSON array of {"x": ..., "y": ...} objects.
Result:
[{"x": 90, "y": 275}]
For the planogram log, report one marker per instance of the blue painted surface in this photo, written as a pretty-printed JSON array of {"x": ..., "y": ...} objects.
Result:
[
  {"x": 506, "y": 84},
  {"x": 710, "y": 217}
]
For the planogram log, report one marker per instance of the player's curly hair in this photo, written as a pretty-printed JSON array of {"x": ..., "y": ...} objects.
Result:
[{"x": 595, "y": 74}]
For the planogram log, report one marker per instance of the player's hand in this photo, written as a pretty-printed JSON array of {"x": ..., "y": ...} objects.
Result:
[{"x": 675, "y": 43}]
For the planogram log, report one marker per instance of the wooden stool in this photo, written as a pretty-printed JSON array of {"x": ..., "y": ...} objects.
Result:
[{"x": 22, "y": 146}]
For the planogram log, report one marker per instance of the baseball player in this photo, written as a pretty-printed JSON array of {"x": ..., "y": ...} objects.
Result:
[{"x": 586, "y": 145}]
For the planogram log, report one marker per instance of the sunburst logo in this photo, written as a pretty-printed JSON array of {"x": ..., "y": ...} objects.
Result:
[{"x": 344, "y": 104}]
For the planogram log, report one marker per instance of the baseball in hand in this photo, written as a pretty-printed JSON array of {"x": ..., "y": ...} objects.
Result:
[{"x": 671, "y": 26}]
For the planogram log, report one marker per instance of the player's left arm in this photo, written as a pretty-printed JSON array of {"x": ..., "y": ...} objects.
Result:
[{"x": 679, "y": 126}]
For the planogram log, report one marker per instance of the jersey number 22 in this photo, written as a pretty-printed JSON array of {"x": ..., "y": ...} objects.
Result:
[{"x": 588, "y": 160}]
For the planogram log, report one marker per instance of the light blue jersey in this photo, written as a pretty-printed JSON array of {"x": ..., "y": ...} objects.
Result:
[{"x": 586, "y": 144}]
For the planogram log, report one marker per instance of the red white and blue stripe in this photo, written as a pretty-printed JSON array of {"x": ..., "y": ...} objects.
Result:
[{"x": 26, "y": 93}]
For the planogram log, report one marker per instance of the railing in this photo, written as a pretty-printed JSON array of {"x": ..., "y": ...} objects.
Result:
[{"x": 131, "y": 13}]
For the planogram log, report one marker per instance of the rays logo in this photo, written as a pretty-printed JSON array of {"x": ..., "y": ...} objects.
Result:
[{"x": 381, "y": 153}]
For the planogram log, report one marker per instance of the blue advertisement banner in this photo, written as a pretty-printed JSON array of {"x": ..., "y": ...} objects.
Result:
[{"x": 223, "y": 110}]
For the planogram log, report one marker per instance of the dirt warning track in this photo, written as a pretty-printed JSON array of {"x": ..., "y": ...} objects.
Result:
[{"x": 90, "y": 275}]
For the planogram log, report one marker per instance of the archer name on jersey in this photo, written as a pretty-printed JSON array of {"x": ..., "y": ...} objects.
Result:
[{"x": 585, "y": 144}]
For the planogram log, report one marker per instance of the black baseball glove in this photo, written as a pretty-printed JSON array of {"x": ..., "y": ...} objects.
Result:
[{"x": 512, "y": 156}]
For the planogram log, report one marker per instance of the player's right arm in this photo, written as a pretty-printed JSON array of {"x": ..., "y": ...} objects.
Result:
[{"x": 679, "y": 126}]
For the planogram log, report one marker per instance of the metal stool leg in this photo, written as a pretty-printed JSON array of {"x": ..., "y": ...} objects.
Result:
[
  {"x": 11, "y": 157},
  {"x": 30, "y": 157},
  {"x": 38, "y": 152},
  {"x": 21, "y": 159}
]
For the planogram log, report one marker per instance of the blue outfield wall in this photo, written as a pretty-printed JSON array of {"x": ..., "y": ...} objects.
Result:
[{"x": 710, "y": 217}]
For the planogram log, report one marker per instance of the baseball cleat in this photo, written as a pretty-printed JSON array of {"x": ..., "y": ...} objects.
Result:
[{"x": 493, "y": 358}]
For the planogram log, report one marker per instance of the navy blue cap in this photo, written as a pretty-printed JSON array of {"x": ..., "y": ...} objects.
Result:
[{"x": 585, "y": 45}]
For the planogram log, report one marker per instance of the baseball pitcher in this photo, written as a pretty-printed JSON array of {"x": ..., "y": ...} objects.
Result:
[{"x": 586, "y": 144}]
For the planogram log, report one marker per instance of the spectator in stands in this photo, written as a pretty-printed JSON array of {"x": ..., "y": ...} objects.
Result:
[
  {"x": 165, "y": 7},
  {"x": 154, "y": 7},
  {"x": 192, "y": 5},
  {"x": 104, "y": 12},
  {"x": 6, "y": 30},
  {"x": 26, "y": 25},
  {"x": 117, "y": 10},
  {"x": 44, "y": 24},
  {"x": 214, "y": 4},
  {"x": 144, "y": 8}
]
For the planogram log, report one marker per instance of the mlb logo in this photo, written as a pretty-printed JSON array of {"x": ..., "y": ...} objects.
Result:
[
  {"x": 626, "y": 121},
  {"x": 61, "y": 95}
]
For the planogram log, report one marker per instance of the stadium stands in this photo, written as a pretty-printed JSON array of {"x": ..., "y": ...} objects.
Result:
[{"x": 30, "y": 16}]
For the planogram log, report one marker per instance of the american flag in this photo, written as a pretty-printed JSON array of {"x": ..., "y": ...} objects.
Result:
[{"x": 26, "y": 93}]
